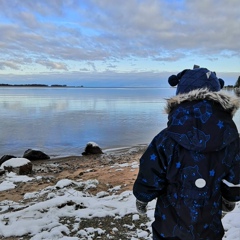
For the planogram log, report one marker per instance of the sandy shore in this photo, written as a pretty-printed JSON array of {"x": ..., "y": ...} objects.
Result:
[
  {"x": 63, "y": 209},
  {"x": 113, "y": 168},
  {"x": 115, "y": 171}
]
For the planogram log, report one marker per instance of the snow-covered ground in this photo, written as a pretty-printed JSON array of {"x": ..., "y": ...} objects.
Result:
[{"x": 56, "y": 212}]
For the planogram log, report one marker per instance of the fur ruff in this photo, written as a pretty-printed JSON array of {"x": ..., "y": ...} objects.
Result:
[{"x": 229, "y": 103}]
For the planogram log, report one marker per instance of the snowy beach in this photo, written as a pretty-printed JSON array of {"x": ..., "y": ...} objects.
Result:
[
  {"x": 86, "y": 86},
  {"x": 81, "y": 197}
]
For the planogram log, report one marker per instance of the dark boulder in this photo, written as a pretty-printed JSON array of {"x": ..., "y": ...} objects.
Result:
[
  {"x": 92, "y": 148},
  {"x": 4, "y": 158},
  {"x": 32, "y": 155},
  {"x": 25, "y": 169}
]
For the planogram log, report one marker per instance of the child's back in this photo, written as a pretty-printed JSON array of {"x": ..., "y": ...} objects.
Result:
[{"x": 185, "y": 163}]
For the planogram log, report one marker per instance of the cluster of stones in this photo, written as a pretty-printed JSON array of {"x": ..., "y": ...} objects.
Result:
[{"x": 24, "y": 164}]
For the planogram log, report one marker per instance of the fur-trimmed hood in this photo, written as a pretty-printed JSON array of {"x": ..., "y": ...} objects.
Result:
[
  {"x": 229, "y": 103},
  {"x": 201, "y": 120}
]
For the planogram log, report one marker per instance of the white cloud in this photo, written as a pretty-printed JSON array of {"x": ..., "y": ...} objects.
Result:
[
  {"x": 8, "y": 64},
  {"x": 53, "y": 65},
  {"x": 169, "y": 32}
]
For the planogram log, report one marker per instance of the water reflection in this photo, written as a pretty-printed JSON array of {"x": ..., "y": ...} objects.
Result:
[
  {"x": 60, "y": 120},
  {"x": 63, "y": 120},
  {"x": 76, "y": 99}
]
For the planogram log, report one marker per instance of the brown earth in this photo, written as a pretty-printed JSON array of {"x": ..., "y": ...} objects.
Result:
[{"x": 110, "y": 169}]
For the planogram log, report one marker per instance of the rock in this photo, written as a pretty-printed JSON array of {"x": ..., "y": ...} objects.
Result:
[
  {"x": 21, "y": 166},
  {"x": 4, "y": 158},
  {"x": 31, "y": 154},
  {"x": 92, "y": 148},
  {"x": 25, "y": 169}
]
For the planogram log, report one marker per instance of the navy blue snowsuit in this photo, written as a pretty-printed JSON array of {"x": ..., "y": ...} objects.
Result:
[{"x": 185, "y": 165}]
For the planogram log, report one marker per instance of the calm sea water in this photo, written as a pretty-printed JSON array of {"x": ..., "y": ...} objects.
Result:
[{"x": 61, "y": 121}]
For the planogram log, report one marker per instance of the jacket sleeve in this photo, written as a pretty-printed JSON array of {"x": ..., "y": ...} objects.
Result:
[
  {"x": 230, "y": 186},
  {"x": 151, "y": 179}
]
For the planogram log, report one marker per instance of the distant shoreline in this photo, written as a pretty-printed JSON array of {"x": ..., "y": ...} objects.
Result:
[
  {"x": 66, "y": 86},
  {"x": 36, "y": 85}
]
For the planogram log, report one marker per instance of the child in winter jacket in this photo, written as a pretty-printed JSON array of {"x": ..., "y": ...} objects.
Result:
[{"x": 192, "y": 166}]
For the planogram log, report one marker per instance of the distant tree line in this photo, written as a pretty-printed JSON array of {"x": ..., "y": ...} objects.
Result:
[{"x": 30, "y": 85}]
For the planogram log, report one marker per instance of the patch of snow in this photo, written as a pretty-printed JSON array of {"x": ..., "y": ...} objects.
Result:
[
  {"x": 11, "y": 178},
  {"x": 142, "y": 234},
  {"x": 39, "y": 215},
  {"x": 90, "y": 232},
  {"x": 115, "y": 189},
  {"x": 118, "y": 170},
  {"x": 63, "y": 183},
  {"x": 135, "y": 217},
  {"x": 135, "y": 165},
  {"x": 123, "y": 165},
  {"x": 31, "y": 195},
  {"x": 102, "y": 194},
  {"x": 5, "y": 185}
]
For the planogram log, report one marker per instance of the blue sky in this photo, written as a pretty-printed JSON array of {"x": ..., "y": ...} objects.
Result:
[{"x": 117, "y": 43}]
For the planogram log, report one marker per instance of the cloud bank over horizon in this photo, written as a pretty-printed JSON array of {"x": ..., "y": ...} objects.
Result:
[{"x": 102, "y": 42}]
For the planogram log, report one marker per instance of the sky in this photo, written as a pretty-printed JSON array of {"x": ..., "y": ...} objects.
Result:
[{"x": 117, "y": 43}]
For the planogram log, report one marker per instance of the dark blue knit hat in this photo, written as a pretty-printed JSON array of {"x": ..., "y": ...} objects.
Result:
[{"x": 197, "y": 78}]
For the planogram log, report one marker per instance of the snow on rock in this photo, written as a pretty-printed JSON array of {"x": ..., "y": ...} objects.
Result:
[
  {"x": 63, "y": 183},
  {"x": 92, "y": 148},
  {"x": 93, "y": 144},
  {"x": 15, "y": 162},
  {"x": 21, "y": 166}
]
